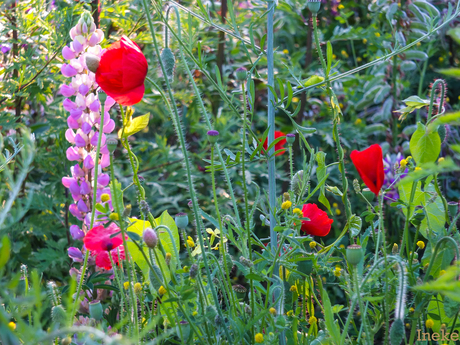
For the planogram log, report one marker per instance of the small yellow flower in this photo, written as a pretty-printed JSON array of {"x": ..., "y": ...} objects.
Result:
[
  {"x": 408, "y": 157},
  {"x": 289, "y": 313},
  {"x": 312, "y": 320},
  {"x": 186, "y": 269},
  {"x": 285, "y": 51},
  {"x": 137, "y": 288},
  {"x": 340, "y": 7},
  {"x": 324, "y": 279},
  {"x": 12, "y": 326},
  {"x": 418, "y": 44},
  {"x": 105, "y": 197},
  {"x": 286, "y": 205},
  {"x": 338, "y": 212},
  {"x": 407, "y": 325},
  {"x": 195, "y": 313},
  {"x": 126, "y": 285},
  {"x": 259, "y": 338},
  {"x": 293, "y": 288},
  {"x": 417, "y": 169},
  {"x": 338, "y": 272},
  {"x": 341, "y": 105},
  {"x": 162, "y": 290},
  {"x": 114, "y": 216},
  {"x": 359, "y": 59},
  {"x": 429, "y": 323},
  {"x": 441, "y": 59},
  {"x": 442, "y": 272},
  {"x": 421, "y": 244},
  {"x": 297, "y": 211},
  {"x": 441, "y": 159},
  {"x": 364, "y": 41},
  {"x": 411, "y": 309},
  {"x": 358, "y": 313},
  {"x": 342, "y": 246},
  {"x": 334, "y": 56},
  {"x": 447, "y": 99},
  {"x": 377, "y": 34},
  {"x": 295, "y": 99},
  {"x": 272, "y": 311},
  {"x": 335, "y": 205},
  {"x": 313, "y": 244},
  {"x": 358, "y": 121},
  {"x": 403, "y": 163},
  {"x": 190, "y": 242}
]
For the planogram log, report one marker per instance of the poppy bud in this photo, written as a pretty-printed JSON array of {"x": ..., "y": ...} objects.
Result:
[
  {"x": 213, "y": 136},
  {"x": 111, "y": 144},
  {"x": 354, "y": 254},
  {"x": 95, "y": 310},
  {"x": 169, "y": 60},
  {"x": 395, "y": 249},
  {"x": 241, "y": 73},
  {"x": 397, "y": 332},
  {"x": 290, "y": 138},
  {"x": 181, "y": 220},
  {"x": 246, "y": 262},
  {"x": 297, "y": 181},
  {"x": 286, "y": 197},
  {"x": 58, "y": 314},
  {"x": 66, "y": 341},
  {"x": 193, "y": 271},
  {"x": 314, "y": 6},
  {"x": 92, "y": 62},
  {"x": 150, "y": 238}
]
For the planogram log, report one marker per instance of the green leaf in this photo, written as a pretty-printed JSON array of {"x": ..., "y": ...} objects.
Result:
[
  {"x": 450, "y": 72},
  {"x": 455, "y": 34},
  {"x": 290, "y": 94},
  {"x": 329, "y": 57},
  {"x": 117, "y": 197},
  {"x": 134, "y": 125},
  {"x": 320, "y": 173},
  {"x": 5, "y": 249},
  {"x": 425, "y": 146},
  {"x": 355, "y": 225},
  {"x": 331, "y": 325},
  {"x": 314, "y": 79}
]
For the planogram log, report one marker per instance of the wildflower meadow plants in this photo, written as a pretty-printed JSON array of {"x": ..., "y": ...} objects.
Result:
[{"x": 260, "y": 252}]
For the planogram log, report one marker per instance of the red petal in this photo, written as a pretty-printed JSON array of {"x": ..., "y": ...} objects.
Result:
[
  {"x": 369, "y": 164},
  {"x": 319, "y": 223},
  {"x": 279, "y": 145},
  {"x": 99, "y": 238},
  {"x": 128, "y": 97}
]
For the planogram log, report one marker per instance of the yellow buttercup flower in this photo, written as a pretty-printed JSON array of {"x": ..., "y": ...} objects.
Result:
[
  {"x": 338, "y": 212},
  {"x": 12, "y": 326},
  {"x": 340, "y": 7},
  {"x": 286, "y": 205},
  {"x": 442, "y": 272},
  {"x": 259, "y": 338},
  {"x": 289, "y": 313},
  {"x": 441, "y": 59},
  {"x": 421, "y": 244},
  {"x": 114, "y": 216},
  {"x": 293, "y": 288},
  {"x": 162, "y": 290},
  {"x": 272, "y": 311},
  {"x": 313, "y": 244},
  {"x": 364, "y": 41},
  {"x": 403, "y": 163},
  {"x": 335, "y": 205},
  {"x": 105, "y": 197},
  {"x": 137, "y": 287},
  {"x": 359, "y": 59},
  {"x": 418, "y": 169},
  {"x": 297, "y": 211},
  {"x": 411, "y": 309},
  {"x": 377, "y": 34},
  {"x": 195, "y": 313},
  {"x": 190, "y": 242},
  {"x": 429, "y": 323},
  {"x": 285, "y": 51},
  {"x": 126, "y": 285},
  {"x": 338, "y": 272},
  {"x": 441, "y": 159},
  {"x": 312, "y": 320}
]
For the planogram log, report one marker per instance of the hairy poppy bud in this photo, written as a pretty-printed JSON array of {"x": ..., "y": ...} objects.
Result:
[
  {"x": 241, "y": 73},
  {"x": 95, "y": 310},
  {"x": 181, "y": 220},
  {"x": 213, "y": 136},
  {"x": 150, "y": 238},
  {"x": 290, "y": 138},
  {"x": 193, "y": 271},
  {"x": 92, "y": 62},
  {"x": 296, "y": 182},
  {"x": 354, "y": 254},
  {"x": 169, "y": 60},
  {"x": 397, "y": 332}
]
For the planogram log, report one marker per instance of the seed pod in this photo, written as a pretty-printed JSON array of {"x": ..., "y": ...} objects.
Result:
[
  {"x": 240, "y": 291},
  {"x": 354, "y": 254},
  {"x": 95, "y": 310},
  {"x": 246, "y": 262},
  {"x": 290, "y": 138},
  {"x": 112, "y": 144},
  {"x": 314, "y": 6},
  {"x": 169, "y": 60},
  {"x": 241, "y": 73},
  {"x": 397, "y": 332},
  {"x": 213, "y": 135},
  {"x": 181, "y": 220}
]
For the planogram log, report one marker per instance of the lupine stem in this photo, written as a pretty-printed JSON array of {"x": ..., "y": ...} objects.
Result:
[{"x": 93, "y": 212}]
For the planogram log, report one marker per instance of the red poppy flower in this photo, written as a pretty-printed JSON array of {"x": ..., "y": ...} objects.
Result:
[
  {"x": 279, "y": 145},
  {"x": 101, "y": 242},
  {"x": 122, "y": 71},
  {"x": 369, "y": 164},
  {"x": 319, "y": 223}
]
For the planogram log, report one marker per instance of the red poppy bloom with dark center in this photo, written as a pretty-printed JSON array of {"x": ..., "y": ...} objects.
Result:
[
  {"x": 369, "y": 164},
  {"x": 122, "y": 71},
  {"x": 279, "y": 145},
  {"x": 319, "y": 223},
  {"x": 101, "y": 241}
]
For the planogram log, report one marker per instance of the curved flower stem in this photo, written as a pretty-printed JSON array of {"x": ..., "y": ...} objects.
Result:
[
  {"x": 176, "y": 121},
  {"x": 433, "y": 95},
  {"x": 93, "y": 212}
]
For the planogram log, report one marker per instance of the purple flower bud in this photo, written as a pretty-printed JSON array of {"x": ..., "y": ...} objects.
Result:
[
  {"x": 88, "y": 163},
  {"x": 68, "y": 71},
  {"x": 95, "y": 106},
  {"x": 74, "y": 188},
  {"x": 72, "y": 154},
  {"x": 95, "y": 138},
  {"x": 82, "y": 207},
  {"x": 67, "y": 53},
  {"x": 77, "y": 171},
  {"x": 67, "y": 181},
  {"x": 67, "y": 91},
  {"x": 109, "y": 127},
  {"x": 75, "y": 231},
  {"x": 77, "y": 46},
  {"x": 76, "y": 213},
  {"x": 94, "y": 39},
  {"x": 105, "y": 161},
  {"x": 75, "y": 254},
  {"x": 72, "y": 123},
  {"x": 83, "y": 89},
  {"x": 79, "y": 141},
  {"x": 150, "y": 238},
  {"x": 103, "y": 180},
  {"x": 85, "y": 188},
  {"x": 212, "y": 136},
  {"x": 70, "y": 136},
  {"x": 5, "y": 49},
  {"x": 73, "y": 33},
  {"x": 86, "y": 127},
  {"x": 76, "y": 113},
  {"x": 69, "y": 105},
  {"x": 84, "y": 28}
]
